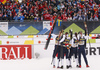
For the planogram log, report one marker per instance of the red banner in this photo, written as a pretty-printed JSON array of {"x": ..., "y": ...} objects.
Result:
[{"x": 15, "y": 52}]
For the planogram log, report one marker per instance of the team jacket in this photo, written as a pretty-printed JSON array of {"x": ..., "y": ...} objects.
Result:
[
  {"x": 82, "y": 40},
  {"x": 66, "y": 42},
  {"x": 74, "y": 42},
  {"x": 58, "y": 40}
]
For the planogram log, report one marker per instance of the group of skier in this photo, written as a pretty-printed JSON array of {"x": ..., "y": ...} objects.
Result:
[{"x": 69, "y": 45}]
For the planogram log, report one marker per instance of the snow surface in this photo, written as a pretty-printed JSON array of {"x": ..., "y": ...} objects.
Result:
[{"x": 44, "y": 62}]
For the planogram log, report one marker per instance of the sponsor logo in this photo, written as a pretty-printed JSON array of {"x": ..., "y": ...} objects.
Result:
[
  {"x": 13, "y": 42},
  {"x": 39, "y": 42},
  {"x": 7, "y": 42},
  {"x": 93, "y": 51},
  {"x": 15, "y": 52}
]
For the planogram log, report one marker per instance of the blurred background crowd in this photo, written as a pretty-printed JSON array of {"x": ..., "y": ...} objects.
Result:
[{"x": 67, "y": 10}]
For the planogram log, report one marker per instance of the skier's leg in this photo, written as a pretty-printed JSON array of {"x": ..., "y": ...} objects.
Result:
[
  {"x": 58, "y": 58},
  {"x": 85, "y": 59},
  {"x": 62, "y": 57},
  {"x": 54, "y": 54},
  {"x": 70, "y": 55},
  {"x": 76, "y": 59},
  {"x": 67, "y": 59},
  {"x": 79, "y": 57}
]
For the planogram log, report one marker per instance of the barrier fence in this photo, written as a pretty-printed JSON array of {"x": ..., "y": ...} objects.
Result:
[{"x": 34, "y": 28}]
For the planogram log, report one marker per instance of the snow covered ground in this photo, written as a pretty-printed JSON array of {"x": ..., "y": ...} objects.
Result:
[{"x": 44, "y": 62}]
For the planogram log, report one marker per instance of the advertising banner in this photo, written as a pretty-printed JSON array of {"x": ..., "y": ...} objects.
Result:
[
  {"x": 4, "y": 26},
  {"x": 46, "y": 24},
  {"x": 13, "y": 40},
  {"x": 15, "y": 52},
  {"x": 35, "y": 28},
  {"x": 93, "y": 48}
]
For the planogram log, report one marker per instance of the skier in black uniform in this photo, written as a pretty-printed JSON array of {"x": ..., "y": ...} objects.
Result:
[
  {"x": 57, "y": 48},
  {"x": 73, "y": 50},
  {"x": 65, "y": 50},
  {"x": 81, "y": 49}
]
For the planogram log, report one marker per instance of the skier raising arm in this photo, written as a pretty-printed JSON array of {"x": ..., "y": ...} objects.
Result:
[{"x": 81, "y": 48}]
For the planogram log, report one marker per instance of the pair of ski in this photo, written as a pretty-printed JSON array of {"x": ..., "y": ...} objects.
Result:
[{"x": 51, "y": 31}]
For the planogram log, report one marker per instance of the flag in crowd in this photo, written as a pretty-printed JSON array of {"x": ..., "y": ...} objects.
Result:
[
  {"x": 58, "y": 22},
  {"x": 3, "y": 1}
]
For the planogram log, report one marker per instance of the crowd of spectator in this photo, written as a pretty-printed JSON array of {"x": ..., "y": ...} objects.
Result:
[{"x": 66, "y": 10}]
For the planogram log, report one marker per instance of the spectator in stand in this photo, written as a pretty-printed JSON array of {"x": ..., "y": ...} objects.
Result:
[
  {"x": 21, "y": 17},
  {"x": 59, "y": 7},
  {"x": 4, "y": 11},
  {"x": 31, "y": 17},
  {"x": 95, "y": 17},
  {"x": 25, "y": 13},
  {"x": 63, "y": 14},
  {"x": 26, "y": 17},
  {"x": 10, "y": 17},
  {"x": 16, "y": 17},
  {"x": 59, "y": 17},
  {"x": 46, "y": 16},
  {"x": 36, "y": 18},
  {"x": 75, "y": 17},
  {"x": 17, "y": 10},
  {"x": 41, "y": 18},
  {"x": 1, "y": 15},
  {"x": 54, "y": 16},
  {"x": 51, "y": 17},
  {"x": 40, "y": 8},
  {"x": 65, "y": 17},
  {"x": 69, "y": 18},
  {"x": 8, "y": 12},
  {"x": 1, "y": 6},
  {"x": 91, "y": 18},
  {"x": 85, "y": 17},
  {"x": 5, "y": 16},
  {"x": 80, "y": 17},
  {"x": 19, "y": 13},
  {"x": 89, "y": 15},
  {"x": 62, "y": 6},
  {"x": 13, "y": 12},
  {"x": 75, "y": 9},
  {"x": 99, "y": 13}
]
